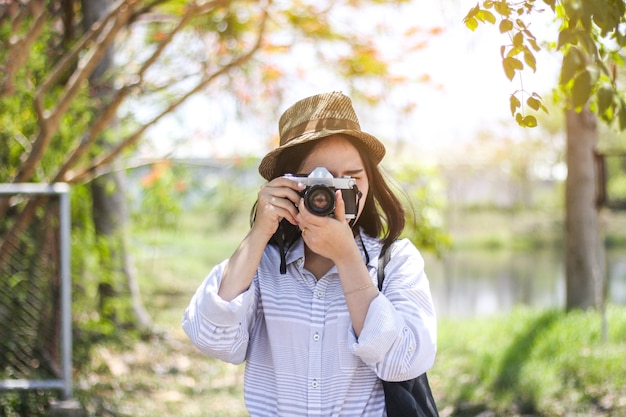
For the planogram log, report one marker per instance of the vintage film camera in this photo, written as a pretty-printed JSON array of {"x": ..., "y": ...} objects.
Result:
[{"x": 319, "y": 194}]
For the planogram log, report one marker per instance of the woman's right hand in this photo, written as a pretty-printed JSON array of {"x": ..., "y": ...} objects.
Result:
[{"x": 277, "y": 200}]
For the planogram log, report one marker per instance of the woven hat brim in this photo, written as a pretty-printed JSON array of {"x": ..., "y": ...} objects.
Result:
[{"x": 375, "y": 148}]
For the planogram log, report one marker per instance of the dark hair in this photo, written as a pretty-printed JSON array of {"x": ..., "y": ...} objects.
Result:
[{"x": 382, "y": 215}]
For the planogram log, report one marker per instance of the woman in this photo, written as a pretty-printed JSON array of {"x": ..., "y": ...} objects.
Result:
[{"x": 304, "y": 310}]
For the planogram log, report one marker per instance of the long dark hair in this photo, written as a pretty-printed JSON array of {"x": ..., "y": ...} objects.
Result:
[{"x": 383, "y": 215}]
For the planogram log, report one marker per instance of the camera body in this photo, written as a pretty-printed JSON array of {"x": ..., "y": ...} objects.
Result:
[{"x": 319, "y": 194}]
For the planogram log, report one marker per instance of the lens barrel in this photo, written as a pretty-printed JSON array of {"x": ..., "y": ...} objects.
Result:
[{"x": 319, "y": 199}]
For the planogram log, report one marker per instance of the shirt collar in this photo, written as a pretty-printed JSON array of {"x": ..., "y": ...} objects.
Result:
[{"x": 372, "y": 246}]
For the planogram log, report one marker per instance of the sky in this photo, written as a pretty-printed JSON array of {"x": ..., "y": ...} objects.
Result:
[{"x": 468, "y": 91}]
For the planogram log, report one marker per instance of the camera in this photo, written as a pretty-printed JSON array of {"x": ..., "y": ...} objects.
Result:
[{"x": 319, "y": 194}]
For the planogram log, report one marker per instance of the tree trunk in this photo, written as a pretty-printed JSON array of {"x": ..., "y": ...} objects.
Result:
[
  {"x": 584, "y": 277},
  {"x": 110, "y": 211}
]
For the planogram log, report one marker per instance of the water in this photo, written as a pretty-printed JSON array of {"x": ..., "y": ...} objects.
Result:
[{"x": 482, "y": 282}]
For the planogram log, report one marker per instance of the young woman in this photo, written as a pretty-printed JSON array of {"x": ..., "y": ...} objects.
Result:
[{"x": 298, "y": 300}]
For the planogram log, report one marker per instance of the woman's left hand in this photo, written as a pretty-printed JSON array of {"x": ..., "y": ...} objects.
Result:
[{"x": 328, "y": 236}]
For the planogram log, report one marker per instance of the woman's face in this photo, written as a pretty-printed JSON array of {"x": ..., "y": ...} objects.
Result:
[{"x": 341, "y": 159}]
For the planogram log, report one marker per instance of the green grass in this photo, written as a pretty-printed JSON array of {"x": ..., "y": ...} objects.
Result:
[{"x": 530, "y": 362}]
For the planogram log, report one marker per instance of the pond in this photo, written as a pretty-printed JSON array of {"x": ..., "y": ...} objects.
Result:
[{"x": 481, "y": 282}]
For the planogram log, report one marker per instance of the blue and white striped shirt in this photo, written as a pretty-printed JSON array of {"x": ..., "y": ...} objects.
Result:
[{"x": 295, "y": 334}]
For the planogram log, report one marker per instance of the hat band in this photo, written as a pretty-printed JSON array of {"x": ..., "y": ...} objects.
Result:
[{"x": 317, "y": 125}]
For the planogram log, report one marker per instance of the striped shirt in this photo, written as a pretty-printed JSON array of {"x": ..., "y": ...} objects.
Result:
[{"x": 295, "y": 334}]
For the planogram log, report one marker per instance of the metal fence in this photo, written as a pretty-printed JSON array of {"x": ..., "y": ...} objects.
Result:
[{"x": 35, "y": 289}]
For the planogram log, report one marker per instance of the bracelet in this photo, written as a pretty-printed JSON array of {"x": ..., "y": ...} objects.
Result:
[{"x": 359, "y": 289}]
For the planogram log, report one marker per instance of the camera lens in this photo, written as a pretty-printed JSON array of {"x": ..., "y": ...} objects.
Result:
[{"x": 320, "y": 200}]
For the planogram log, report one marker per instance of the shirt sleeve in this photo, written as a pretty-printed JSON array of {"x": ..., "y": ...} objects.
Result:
[
  {"x": 399, "y": 337},
  {"x": 217, "y": 327}
]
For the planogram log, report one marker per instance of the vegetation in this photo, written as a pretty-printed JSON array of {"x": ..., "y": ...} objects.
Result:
[
  {"x": 538, "y": 363},
  {"x": 590, "y": 38}
]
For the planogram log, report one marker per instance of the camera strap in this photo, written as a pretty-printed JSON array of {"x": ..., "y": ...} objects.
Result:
[
  {"x": 285, "y": 235},
  {"x": 358, "y": 194}
]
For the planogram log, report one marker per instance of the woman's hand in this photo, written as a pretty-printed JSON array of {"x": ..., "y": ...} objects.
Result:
[
  {"x": 277, "y": 200},
  {"x": 328, "y": 236}
]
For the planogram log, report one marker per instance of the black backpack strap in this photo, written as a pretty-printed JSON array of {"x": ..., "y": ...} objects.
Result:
[
  {"x": 406, "y": 398},
  {"x": 383, "y": 260}
]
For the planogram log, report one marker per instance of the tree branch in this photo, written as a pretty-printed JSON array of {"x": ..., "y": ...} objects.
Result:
[
  {"x": 48, "y": 123},
  {"x": 19, "y": 49},
  {"x": 109, "y": 113},
  {"x": 90, "y": 171}
]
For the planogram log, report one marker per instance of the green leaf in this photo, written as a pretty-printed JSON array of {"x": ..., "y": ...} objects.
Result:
[
  {"x": 477, "y": 14},
  {"x": 510, "y": 65},
  {"x": 533, "y": 103},
  {"x": 571, "y": 65},
  {"x": 502, "y": 7},
  {"x": 528, "y": 33},
  {"x": 514, "y": 51},
  {"x": 534, "y": 44},
  {"x": 486, "y": 16},
  {"x": 471, "y": 23},
  {"x": 505, "y": 26},
  {"x": 588, "y": 43},
  {"x": 605, "y": 97},
  {"x": 514, "y": 104},
  {"x": 581, "y": 89},
  {"x": 566, "y": 37},
  {"x": 529, "y": 59},
  {"x": 539, "y": 100},
  {"x": 529, "y": 121}
]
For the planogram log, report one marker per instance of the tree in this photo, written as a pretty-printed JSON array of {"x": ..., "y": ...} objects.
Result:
[
  {"x": 67, "y": 105},
  {"x": 591, "y": 39}
]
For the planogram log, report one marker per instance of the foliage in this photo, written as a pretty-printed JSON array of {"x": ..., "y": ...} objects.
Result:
[
  {"x": 159, "y": 202},
  {"x": 426, "y": 199},
  {"x": 547, "y": 363},
  {"x": 591, "y": 39}
]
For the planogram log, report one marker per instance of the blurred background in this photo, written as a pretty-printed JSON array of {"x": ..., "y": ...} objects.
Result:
[{"x": 504, "y": 126}]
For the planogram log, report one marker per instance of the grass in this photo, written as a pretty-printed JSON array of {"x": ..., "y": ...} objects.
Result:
[
  {"x": 525, "y": 363},
  {"x": 530, "y": 362}
]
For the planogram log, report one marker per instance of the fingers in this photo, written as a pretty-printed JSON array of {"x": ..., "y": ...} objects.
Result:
[
  {"x": 277, "y": 199},
  {"x": 340, "y": 206},
  {"x": 328, "y": 236}
]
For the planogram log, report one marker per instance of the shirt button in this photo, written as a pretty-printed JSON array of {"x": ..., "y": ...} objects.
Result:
[
  {"x": 316, "y": 337},
  {"x": 411, "y": 348},
  {"x": 314, "y": 384},
  {"x": 320, "y": 294}
]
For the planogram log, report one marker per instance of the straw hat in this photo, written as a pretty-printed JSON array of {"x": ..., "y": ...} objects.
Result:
[{"x": 314, "y": 118}]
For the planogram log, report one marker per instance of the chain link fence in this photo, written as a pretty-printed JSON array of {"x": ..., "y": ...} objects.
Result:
[{"x": 35, "y": 326}]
